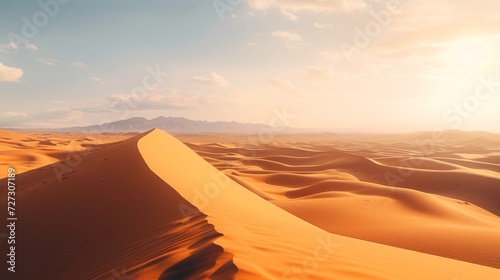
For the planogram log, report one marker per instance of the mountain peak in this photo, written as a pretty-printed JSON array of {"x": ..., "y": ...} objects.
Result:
[{"x": 171, "y": 124}]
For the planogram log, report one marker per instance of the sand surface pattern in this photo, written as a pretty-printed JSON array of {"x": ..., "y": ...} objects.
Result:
[{"x": 221, "y": 207}]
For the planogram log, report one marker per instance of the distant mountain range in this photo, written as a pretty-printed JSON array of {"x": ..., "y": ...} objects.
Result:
[{"x": 170, "y": 124}]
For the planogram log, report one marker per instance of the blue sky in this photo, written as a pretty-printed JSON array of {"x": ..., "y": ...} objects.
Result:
[{"x": 350, "y": 65}]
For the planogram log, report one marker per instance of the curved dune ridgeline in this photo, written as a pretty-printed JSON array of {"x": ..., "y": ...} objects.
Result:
[
  {"x": 150, "y": 207},
  {"x": 380, "y": 188},
  {"x": 268, "y": 242},
  {"x": 110, "y": 216}
]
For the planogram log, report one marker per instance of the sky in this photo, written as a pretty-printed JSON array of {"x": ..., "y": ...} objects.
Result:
[{"x": 342, "y": 65}]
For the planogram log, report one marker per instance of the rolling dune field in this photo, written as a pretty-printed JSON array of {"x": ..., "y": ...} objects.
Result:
[{"x": 309, "y": 206}]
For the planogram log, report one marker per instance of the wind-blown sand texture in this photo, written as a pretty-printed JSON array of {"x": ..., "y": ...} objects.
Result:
[
  {"x": 151, "y": 207},
  {"x": 27, "y": 151},
  {"x": 434, "y": 194}
]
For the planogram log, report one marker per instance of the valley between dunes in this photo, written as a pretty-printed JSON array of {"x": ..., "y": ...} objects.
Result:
[{"x": 148, "y": 206}]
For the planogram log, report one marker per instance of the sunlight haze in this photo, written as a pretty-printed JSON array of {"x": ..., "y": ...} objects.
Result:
[{"x": 345, "y": 65}]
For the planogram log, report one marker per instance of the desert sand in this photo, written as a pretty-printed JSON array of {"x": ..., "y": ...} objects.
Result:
[
  {"x": 230, "y": 207},
  {"x": 439, "y": 198},
  {"x": 27, "y": 151}
]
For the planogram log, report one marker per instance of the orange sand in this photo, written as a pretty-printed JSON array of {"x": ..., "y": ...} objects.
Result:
[{"x": 152, "y": 208}]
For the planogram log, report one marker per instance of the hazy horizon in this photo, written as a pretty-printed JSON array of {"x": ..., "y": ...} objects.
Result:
[
  {"x": 362, "y": 66},
  {"x": 265, "y": 131}
]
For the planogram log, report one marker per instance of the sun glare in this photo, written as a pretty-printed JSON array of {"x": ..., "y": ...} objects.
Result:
[{"x": 470, "y": 55}]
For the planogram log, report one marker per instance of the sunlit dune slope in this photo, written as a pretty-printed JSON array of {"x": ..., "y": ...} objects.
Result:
[
  {"x": 31, "y": 150},
  {"x": 344, "y": 186},
  {"x": 268, "y": 242}
]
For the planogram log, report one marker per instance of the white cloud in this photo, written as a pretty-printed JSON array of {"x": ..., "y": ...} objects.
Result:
[
  {"x": 287, "y": 36},
  {"x": 289, "y": 15},
  {"x": 157, "y": 99},
  {"x": 31, "y": 47},
  {"x": 252, "y": 44},
  {"x": 78, "y": 64},
  {"x": 318, "y": 73},
  {"x": 11, "y": 114},
  {"x": 326, "y": 6},
  {"x": 48, "y": 61},
  {"x": 59, "y": 115},
  {"x": 10, "y": 74},
  {"x": 49, "y": 118},
  {"x": 291, "y": 39},
  {"x": 11, "y": 46},
  {"x": 214, "y": 80},
  {"x": 5, "y": 48},
  {"x": 286, "y": 85},
  {"x": 320, "y": 25},
  {"x": 98, "y": 79}
]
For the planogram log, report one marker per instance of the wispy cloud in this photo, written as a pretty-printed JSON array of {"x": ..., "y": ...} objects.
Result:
[
  {"x": 289, "y": 15},
  {"x": 48, "y": 118},
  {"x": 291, "y": 39},
  {"x": 31, "y": 47},
  {"x": 214, "y": 80},
  {"x": 12, "y": 119},
  {"x": 320, "y": 25},
  {"x": 287, "y": 36},
  {"x": 48, "y": 61},
  {"x": 5, "y": 48},
  {"x": 11, "y": 114},
  {"x": 98, "y": 79},
  {"x": 325, "y": 6},
  {"x": 78, "y": 64},
  {"x": 10, "y": 74},
  {"x": 58, "y": 115},
  {"x": 317, "y": 73},
  {"x": 11, "y": 46},
  {"x": 158, "y": 99},
  {"x": 286, "y": 85}
]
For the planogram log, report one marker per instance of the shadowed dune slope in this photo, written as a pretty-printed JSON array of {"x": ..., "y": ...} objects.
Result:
[{"x": 109, "y": 217}]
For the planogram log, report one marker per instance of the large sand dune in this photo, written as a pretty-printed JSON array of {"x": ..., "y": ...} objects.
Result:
[
  {"x": 107, "y": 215},
  {"x": 150, "y": 207}
]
